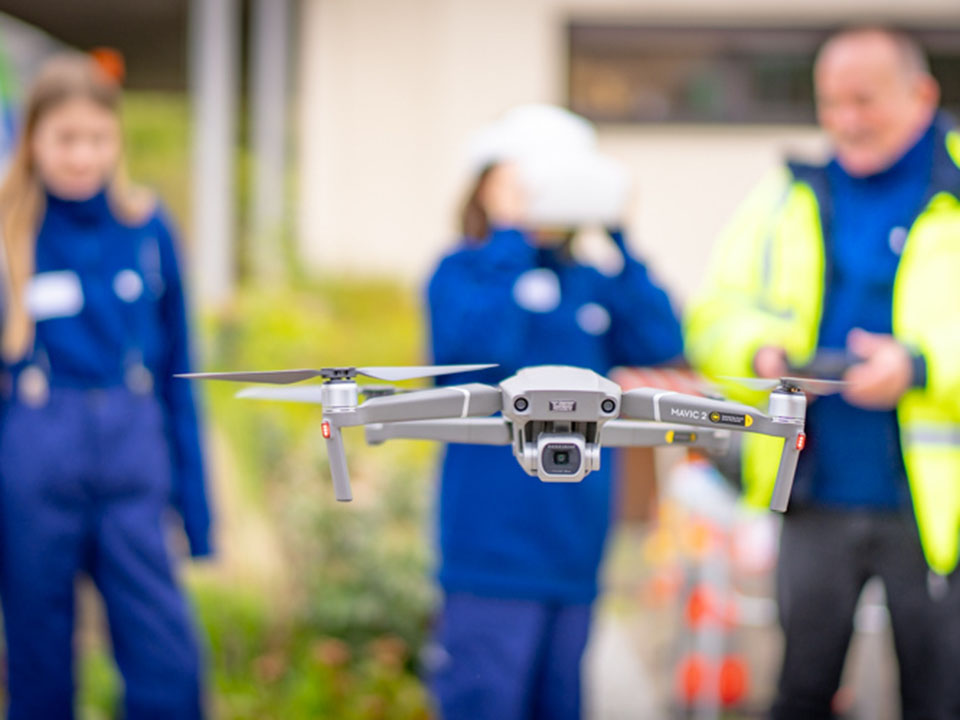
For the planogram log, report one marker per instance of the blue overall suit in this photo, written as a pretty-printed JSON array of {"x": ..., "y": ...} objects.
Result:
[
  {"x": 97, "y": 439},
  {"x": 519, "y": 557}
]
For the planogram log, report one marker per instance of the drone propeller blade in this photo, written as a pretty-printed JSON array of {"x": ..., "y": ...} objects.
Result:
[
  {"x": 814, "y": 386},
  {"x": 276, "y": 377},
  {"x": 307, "y": 394},
  {"x": 753, "y": 383},
  {"x": 395, "y": 374},
  {"x": 286, "y": 377}
]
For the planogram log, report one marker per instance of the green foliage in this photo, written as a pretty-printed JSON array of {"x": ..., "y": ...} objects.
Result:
[
  {"x": 98, "y": 685},
  {"x": 156, "y": 137},
  {"x": 360, "y": 572},
  {"x": 273, "y": 670}
]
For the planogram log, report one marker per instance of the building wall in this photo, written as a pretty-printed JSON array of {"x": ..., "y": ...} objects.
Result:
[{"x": 391, "y": 90}]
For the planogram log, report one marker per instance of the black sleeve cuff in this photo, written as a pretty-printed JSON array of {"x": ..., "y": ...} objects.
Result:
[{"x": 919, "y": 371}]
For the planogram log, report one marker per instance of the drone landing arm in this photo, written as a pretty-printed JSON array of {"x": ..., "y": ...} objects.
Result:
[
  {"x": 637, "y": 433},
  {"x": 473, "y": 431}
]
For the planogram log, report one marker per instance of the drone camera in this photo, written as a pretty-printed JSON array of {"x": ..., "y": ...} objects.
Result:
[{"x": 561, "y": 457}]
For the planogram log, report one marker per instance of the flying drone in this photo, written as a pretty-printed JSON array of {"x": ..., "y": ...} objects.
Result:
[{"x": 555, "y": 417}]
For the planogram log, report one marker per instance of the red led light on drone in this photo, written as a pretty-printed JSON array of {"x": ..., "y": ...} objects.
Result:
[
  {"x": 801, "y": 441},
  {"x": 325, "y": 430}
]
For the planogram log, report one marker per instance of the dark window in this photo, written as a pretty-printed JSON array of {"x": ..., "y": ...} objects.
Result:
[{"x": 643, "y": 74}]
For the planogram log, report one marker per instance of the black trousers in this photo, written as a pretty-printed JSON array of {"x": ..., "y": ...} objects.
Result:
[
  {"x": 951, "y": 638},
  {"x": 826, "y": 557}
]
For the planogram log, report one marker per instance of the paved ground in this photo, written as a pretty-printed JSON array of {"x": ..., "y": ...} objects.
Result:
[{"x": 630, "y": 665}]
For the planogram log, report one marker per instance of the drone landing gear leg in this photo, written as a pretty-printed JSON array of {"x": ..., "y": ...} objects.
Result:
[
  {"x": 337, "y": 458},
  {"x": 792, "y": 445}
]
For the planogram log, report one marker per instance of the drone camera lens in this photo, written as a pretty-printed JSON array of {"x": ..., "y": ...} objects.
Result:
[
  {"x": 608, "y": 405},
  {"x": 520, "y": 404},
  {"x": 561, "y": 459}
]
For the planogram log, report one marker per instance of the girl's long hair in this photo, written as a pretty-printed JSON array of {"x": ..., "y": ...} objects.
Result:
[
  {"x": 474, "y": 224},
  {"x": 63, "y": 78}
]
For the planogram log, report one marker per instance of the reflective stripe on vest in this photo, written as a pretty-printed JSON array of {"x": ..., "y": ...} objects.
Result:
[{"x": 948, "y": 435}]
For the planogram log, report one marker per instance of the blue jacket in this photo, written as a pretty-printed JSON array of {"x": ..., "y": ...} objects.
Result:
[
  {"x": 865, "y": 222},
  {"x": 132, "y": 312},
  {"x": 501, "y": 531}
]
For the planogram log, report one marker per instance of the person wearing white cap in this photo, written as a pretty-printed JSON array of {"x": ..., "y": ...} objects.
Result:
[{"x": 519, "y": 558}]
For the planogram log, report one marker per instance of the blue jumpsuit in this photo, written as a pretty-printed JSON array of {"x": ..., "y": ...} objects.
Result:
[
  {"x": 97, "y": 439},
  {"x": 518, "y": 557}
]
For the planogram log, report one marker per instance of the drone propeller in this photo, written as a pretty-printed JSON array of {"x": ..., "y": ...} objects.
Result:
[
  {"x": 287, "y": 377},
  {"x": 814, "y": 386},
  {"x": 396, "y": 374},
  {"x": 276, "y": 377}
]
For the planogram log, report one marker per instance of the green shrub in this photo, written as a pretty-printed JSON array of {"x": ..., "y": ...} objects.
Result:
[{"x": 360, "y": 572}]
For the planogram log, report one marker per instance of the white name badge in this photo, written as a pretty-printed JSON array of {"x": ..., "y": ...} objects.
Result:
[
  {"x": 54, "y": 295},
  {"x": 593, "y": 319},
  {"x": 537, "y": 290},
  {"x": 128, "y": 286}
]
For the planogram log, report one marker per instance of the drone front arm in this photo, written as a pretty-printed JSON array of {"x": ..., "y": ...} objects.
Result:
[
  {"x": 638, "y": 433},
  {"x": 665, "y": 406},
  {"x": 674, "y": 407},
  {"x": 455, "y": 401},
  {"x": 449, "y": 402},
  {"x": 473, "y": 431}
]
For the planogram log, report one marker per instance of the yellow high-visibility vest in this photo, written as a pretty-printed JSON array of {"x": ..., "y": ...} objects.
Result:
[{"x": 766, "y": 287}]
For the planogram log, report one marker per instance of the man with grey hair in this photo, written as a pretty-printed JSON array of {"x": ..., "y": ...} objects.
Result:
[{"x": 856, "y": 260}]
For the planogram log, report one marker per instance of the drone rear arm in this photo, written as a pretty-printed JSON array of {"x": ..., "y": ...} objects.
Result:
[
  {"x": 637, "y": 433},
  {"x": 496, "y": 431}
]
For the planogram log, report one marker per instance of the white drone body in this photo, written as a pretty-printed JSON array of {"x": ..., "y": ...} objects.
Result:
[{"x": 556, "y": 418}]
